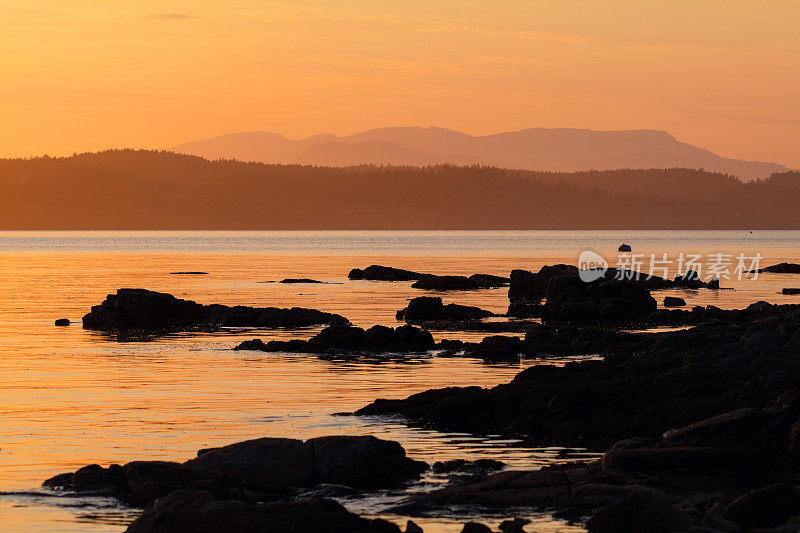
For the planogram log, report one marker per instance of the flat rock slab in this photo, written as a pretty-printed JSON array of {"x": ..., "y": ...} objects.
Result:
[{"x": 142, "y": 309}]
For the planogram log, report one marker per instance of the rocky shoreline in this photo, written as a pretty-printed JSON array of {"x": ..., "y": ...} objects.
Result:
[{"x": 699, "y": 428}]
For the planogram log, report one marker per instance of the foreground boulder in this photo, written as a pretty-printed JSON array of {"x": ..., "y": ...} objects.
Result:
[
  {"x": 143, "y": 309},
  {"x": 192, "y": 511},
  {"x": 351, "y": 340},
  {"x": 383, "y": 273},
  {"x": 264, "y": 469},
  {"x": 430, "y": 309},
  {"x": 460, "y": 283},
  {"x": 360, "y": 462}
]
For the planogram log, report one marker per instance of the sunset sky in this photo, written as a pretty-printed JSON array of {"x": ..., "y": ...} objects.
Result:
[{"x": 79, "y": 75}]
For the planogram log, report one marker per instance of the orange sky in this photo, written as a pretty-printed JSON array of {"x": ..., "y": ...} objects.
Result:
[{"x": 79, "y": 75}]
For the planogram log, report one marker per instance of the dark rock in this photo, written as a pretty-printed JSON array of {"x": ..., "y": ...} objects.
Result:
[
  {"x": 665, "y": 381},
  {"x": 289, "y": 346},
  {"x": 382, "y": 273},
  {"x": 299, "y": 280},
  {"x": 262, "y": 463},
  {"x": 516, "y": 525},
  {"x": 352, "y": 340},
  {"x": 191, "y": 511},
  {"x": 336, "y": 337},
  {"x": 571, "y": 300},
  {"x": 411, "y": 527},
  {"x": 452, "y": 345},
  {"x": 147, "y": 481},
  {"x": 638, "y": 513},
  {"x": 328, "y": 490},
  {"x": 527, "y": 288},
  {"x": 512, "y": 488},
  {"x": 459, "y": 283},
  {"x": 462, "y": 466},
  {"x": 148, "y": 310},
  {"x": 624, "y": 248},
  {"x": 523, "y": 310},
  {"x": 498, "y": 349},
  {"x": 713, "y": 284},
  {"x": 780, "y": 268},
  {"x": 189, "y": 273},
  {"x": 698, "y": 460},
  {"x": 253, "y": 344},
  {"x": 770, "y": 506},
  {"x": 791, "y": 291},
  {"x": 360, "y": 462},
  {"x": 475, "y": 527},
  {"x": 63, "y": 322},
  {"x": 689, "y": 280},
  {"x": 430, "y": 308},
  {"x": 674, "y": 301}
]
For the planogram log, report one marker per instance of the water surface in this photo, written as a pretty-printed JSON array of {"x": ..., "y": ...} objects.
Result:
[{"x": 70, "y": 397}]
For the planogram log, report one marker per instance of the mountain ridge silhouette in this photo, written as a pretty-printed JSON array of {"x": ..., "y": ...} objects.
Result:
[{"x": 542, "y": 149}]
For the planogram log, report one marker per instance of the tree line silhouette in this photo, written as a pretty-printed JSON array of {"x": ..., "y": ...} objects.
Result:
[{"x": 142, "y": 189}]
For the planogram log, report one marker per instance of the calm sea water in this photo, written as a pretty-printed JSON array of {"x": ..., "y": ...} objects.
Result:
[{"x": 70, "y": 397}]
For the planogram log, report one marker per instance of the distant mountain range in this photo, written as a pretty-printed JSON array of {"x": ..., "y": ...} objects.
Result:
[{"x": 565, "y": 150}]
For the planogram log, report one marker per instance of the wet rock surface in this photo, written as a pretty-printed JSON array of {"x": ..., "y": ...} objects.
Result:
[{"x": 142, "y": 309}]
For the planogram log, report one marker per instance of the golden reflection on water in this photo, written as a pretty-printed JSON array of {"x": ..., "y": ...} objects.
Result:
[{"x": 70, "y": 397}]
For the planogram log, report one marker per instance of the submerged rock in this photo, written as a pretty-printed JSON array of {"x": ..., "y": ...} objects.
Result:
[
  {"x": 791, "y": 291},
  {"x": 63, "y": 322},
  {"x": 149, "y": 310},
  {"x": 300, "y": 280},
  {"x": 624, "y": 248}
]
